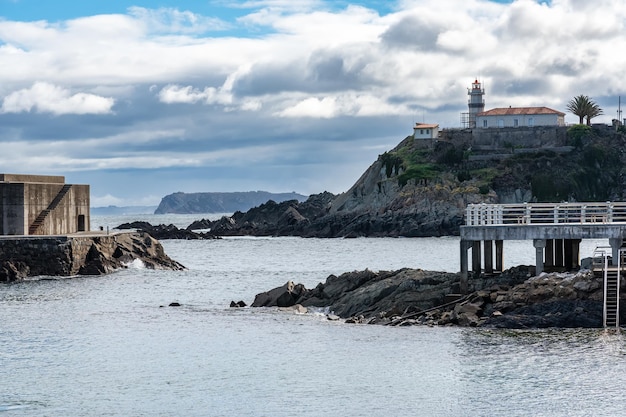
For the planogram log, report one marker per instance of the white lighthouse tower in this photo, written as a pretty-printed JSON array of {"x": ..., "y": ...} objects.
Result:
[{"x": 476, "y": 102}]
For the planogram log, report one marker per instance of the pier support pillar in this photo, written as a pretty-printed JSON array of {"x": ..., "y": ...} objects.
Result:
[
  {"x": 488, "y": 249},
  {"x": 549, "y": 260},
  {"x": 558, "y": 253},
  {"x": 539, "y": 245},
  {"x": 615, "y": 243},
  {"x": 465, "y": 245},
  {"x": 499, "y": 256},
  {"x": 476, "y": 255},
  {"x": 572, "y": 253}
]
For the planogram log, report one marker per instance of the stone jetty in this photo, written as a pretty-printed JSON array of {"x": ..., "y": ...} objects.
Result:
[{"x": 89, "y": 253}]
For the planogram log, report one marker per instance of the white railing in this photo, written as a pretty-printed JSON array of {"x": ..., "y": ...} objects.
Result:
[{"x": 544, "y": 213}]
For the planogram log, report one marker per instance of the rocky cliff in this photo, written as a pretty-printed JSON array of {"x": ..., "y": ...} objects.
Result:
[
  {"x": 188, "y": 203},
  {"x": 422, "y": 188},
  {"x": 22, "y": 257}
]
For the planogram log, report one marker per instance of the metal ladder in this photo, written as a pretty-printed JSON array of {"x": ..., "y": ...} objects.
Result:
[{"x": 611, "y": 280}]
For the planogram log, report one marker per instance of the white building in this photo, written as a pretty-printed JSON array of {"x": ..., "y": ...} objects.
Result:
[
  {"x": 425, "y": 131},
  {"x": 520, "y": 117}
]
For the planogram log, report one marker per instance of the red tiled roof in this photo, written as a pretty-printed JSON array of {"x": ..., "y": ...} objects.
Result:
[
  {"x": 424, "y": 126},
  {"x": 512, "y": 111}
]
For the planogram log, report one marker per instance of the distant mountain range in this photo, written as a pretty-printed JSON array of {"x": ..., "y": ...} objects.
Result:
[{"x": 213, "y": 202}]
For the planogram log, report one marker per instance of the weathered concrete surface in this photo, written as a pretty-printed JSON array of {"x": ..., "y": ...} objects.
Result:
[
  {"x": 547, "y": 231},
  {"x": 93, "y": 254},
  {"x": 46, "y": 203}
]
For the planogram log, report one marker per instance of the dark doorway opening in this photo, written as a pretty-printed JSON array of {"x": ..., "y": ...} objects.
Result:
[{"x": 81, "y": 223}]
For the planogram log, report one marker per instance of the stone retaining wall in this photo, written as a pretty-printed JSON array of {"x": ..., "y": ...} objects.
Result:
[{"x": 92, "y": 254}]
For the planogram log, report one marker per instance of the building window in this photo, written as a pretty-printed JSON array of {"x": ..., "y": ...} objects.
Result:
[
  {"x": 421, "y": 131},
  {"x": 500, "y": 122},
  {"x": 485, "y": 123},
  {"x": 515, "y": 122},
  {"x": 428, "y": 131},
  {"x": 531, "y": 121}
]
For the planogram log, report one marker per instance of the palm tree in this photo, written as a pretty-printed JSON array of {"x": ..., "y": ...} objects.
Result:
[
  {"x": 579, "y": 106},
  {"x": 593, "y": 111},
  {"x": 584, "y": 107}
]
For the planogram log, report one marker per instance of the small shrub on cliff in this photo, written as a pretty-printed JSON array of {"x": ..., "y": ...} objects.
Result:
[
  {"x": 464, "y": 175},
  {"x": 577, "y": 133},
  {"x": 451, "y": 156},
  {"x": 418, "y": 172},
  {"x": 391, "y": 162}
]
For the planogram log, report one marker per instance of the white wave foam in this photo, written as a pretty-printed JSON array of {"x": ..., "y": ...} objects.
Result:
[{"x": 136, "y": 264}]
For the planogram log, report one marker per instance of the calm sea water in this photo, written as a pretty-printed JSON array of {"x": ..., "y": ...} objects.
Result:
[{"x": 110, "y": 346}]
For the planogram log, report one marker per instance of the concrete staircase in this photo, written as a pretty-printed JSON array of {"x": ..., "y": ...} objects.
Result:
[{"x": 32, "y": 229}]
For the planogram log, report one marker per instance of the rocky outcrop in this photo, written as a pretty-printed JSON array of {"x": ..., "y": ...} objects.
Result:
[
  {"x": 163, "y": 231},
  {"x": 80, "y": 255},
  {"x": 187, "y": 203},
  {"x": 285, "y": 296},
  {"x": 383, "y": 202},
  {"x": 289, "y": 218},
  {"x": 421, "y": 188},
  {"x": 513, "y": 299}
]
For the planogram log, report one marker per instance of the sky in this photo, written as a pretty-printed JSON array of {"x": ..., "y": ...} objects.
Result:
[{"x": 141, "y": 99}]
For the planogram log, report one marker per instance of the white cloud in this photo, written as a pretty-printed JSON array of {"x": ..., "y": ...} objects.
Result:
[
  {"x": 180, "y": 95},
  {"x": 312, "y": 107},
  {"x": 169, "y": 20},
  {"x": 187, "y": 94},
  {"x": 47, "y": 98},
  {"x": 356, "y": 105}
]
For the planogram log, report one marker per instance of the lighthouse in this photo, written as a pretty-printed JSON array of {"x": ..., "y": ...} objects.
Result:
[{"x": 476, "y": 103}]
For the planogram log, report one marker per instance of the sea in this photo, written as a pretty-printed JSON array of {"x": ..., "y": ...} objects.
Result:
[{"x": 113, "y": 346}]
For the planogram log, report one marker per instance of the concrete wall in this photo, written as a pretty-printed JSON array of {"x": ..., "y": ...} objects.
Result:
[
  {"x": 499, "y": 140},
  {"x": 44, "y": 256},
  {"x": 12, "y": 215},
  {"x": 65, "y": 217},
  {"x": 52, "y": 179},
  {"x": 55, "y": 256},
  {"x": 22, "y": 203},
  {"x": 530, "y": 120},
  {"x": 424, "y": 133},
  {"x": 521, "y": 137}
]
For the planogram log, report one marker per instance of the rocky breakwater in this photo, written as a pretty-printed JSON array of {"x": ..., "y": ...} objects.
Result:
[
  {"x": 170, "y": 231},
  {"x": 514, "y": 299},
  {"x": 27, "y": 256}
]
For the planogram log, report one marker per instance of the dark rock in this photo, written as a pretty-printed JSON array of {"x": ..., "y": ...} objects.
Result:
[
  {"x": 166, "y": 231},
  {"x": 200, "y": 225},
  {"x": 13, "y": 271},
  {"x": 409, "y": 297},
  {"x": 237, "y": 304},
  {"x": 285, "y": 296}
]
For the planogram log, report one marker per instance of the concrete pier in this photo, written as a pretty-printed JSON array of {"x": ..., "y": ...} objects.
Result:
[{"x": 556, "y": 231}]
